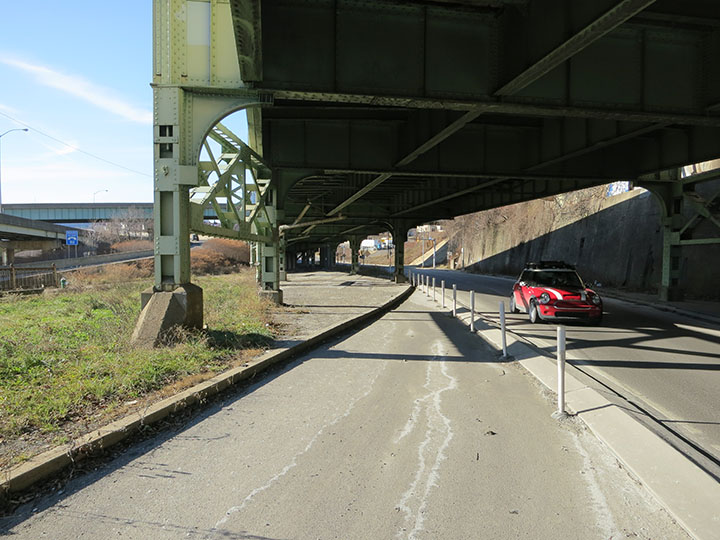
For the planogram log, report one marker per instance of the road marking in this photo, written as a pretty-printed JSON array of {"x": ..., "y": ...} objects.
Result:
[{"x": 430, "y": 449}]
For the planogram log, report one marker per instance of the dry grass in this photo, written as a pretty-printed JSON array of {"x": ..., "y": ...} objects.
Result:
[
  {"x": 236, "y": 251},
  {"x": 110, "y": 274},
  {"x": 214, "y": 257},
  {"x": 132, "y": 245},
  {"x": 66, "y": 363}
]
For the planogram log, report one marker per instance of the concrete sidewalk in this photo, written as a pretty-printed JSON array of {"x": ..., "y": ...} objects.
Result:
[{"x": 315, "y": 301}]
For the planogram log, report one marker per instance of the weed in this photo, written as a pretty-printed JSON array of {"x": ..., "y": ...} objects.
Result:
[{"x": 65, "y": 358}]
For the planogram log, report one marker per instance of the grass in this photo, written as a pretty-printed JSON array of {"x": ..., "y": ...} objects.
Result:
[{"x": 65, "y": 358}]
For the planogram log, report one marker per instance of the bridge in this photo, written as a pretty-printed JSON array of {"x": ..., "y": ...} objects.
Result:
[
  {"x": 84, "y": 212},
  {"x": 369, "y": 116},
  {"x": 20, "y": 233}
]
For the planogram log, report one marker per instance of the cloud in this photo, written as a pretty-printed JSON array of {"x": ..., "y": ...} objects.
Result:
[
  {"x": 8, "y": 109},
  {"x": 71, "y": 181},
  {"x": 81, "y": 88}
]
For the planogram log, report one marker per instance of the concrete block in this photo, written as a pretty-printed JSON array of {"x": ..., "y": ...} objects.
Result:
[
  {"x": 145, "y": 296},
  {"x": 164, "y": 310},
  {"x": 274, "y": 296}
]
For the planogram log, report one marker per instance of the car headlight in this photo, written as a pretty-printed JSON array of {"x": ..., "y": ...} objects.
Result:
[
  {"x": 544, "y": 298},
  {"x": 595, "y": 299}
]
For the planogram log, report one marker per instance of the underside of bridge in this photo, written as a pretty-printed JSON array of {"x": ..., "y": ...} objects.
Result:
[{"x": 371, "y": 116}]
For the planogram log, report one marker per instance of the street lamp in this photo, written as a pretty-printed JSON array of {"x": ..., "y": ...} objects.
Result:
[
  {"x": 99, "y": 191},
  {"x": 1, "y": 136}
]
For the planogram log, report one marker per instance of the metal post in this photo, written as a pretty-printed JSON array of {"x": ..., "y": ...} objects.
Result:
[
  {"x": 433, "y": 252},
  {"x": 55, "y": 276},
  {"x": 502, "y": 329},
  {"x": 561, "y": 370},
  {"x": 472, "y": 311},
  {"x": 454, "y": 299},
  {"x": 442, "y": 292},
  {"x": 13, "y": 277},
  {"x": 433, "y": 288}
]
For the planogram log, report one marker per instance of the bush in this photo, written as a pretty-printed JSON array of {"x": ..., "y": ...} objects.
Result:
[
  {"x": 132, "y": 245},
  {"x": 236, "y": 251},
  {"x": 206, "y": 261}
]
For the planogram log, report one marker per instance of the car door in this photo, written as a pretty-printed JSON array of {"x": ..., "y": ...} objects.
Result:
[{"x": 520, "y": 291}]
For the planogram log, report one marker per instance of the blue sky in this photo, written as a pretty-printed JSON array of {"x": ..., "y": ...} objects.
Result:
[{"x": 80, "y": 72}]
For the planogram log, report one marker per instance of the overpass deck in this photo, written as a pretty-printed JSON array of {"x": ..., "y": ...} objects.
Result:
[
  {"x": 19, "y": 233},
  {"x": 17, "y": 229}
]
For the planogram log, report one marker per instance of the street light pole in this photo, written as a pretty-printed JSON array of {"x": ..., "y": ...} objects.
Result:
[{"x": 1, "y": 136}]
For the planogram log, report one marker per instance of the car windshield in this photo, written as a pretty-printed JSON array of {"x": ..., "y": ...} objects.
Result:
[{"x": 555, "y": 278}]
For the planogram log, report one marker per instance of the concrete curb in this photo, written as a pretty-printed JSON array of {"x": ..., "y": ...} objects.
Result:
[
  {"x": 662, "y": 307},
  {"x": 53, "y": 461},
  {"x": 689, "y": 494}
]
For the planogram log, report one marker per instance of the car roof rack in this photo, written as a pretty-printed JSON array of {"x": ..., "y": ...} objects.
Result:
[{"x": 549, "y": 264}]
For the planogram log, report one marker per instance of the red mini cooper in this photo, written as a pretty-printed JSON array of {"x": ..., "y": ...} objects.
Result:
[{"x": 552, "y": 290}]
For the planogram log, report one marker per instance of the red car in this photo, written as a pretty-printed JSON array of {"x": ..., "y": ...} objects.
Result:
[{"x": 552, "y": 290}]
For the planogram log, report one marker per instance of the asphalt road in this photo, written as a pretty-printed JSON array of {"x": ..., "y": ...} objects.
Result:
[
  {"x": 409, "y": 428},
  {"x": 666, "y": 363}
]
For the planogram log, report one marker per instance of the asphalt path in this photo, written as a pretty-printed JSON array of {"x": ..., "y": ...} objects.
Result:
[
  {"x": 665, "y": 363},
  {"x": 410, "y": 428}
]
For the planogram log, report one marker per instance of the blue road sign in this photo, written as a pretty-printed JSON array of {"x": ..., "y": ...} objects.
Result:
[{"x": 71, "y": 238}]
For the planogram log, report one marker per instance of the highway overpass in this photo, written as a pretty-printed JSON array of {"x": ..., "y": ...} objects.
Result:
[
  {"x": 20, "y": 234},
  {"x": 84, "y": 212},
  {"x": 369, "y": 116}
]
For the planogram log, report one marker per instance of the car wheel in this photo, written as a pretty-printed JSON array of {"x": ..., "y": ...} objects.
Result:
[
  {"x": 513, "y": 307},
  {"x": 533, "y": 312}
]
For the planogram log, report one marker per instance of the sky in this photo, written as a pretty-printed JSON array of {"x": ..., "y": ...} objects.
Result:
[{"x": 77, "y": 74}]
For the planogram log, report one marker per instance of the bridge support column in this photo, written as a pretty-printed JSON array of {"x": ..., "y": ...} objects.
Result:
[
  {"x": 400, "y": 231},
  {"x": 8, "y": 256},
  {"x": 355, "y": 242},
  {"x": 325, "y": 257},
  {"x": 184, "y": 115},
  {"x": 173, "y": 300},
  {"x": 271, "y": 265},
  {"x": 283, "y": 260},
  {"x": 670, "y": 194},
  {"x": 670, "y": 289}
]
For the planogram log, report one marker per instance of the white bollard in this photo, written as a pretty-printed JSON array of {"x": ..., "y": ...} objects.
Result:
[
  {"x": 502, "y": 328},
  {"x": 561, "y": 370},
  {"x": 454, "y": 300},
  {"x": 433, "y": 289},
  {"x": 472, "y": 311},
  {"x": 442, "y": 292}
]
